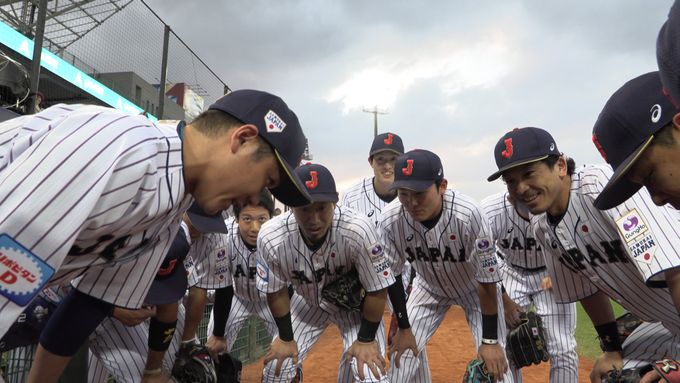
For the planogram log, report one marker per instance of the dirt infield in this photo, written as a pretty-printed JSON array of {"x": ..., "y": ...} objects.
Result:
[{"x": 449, "y": 351}]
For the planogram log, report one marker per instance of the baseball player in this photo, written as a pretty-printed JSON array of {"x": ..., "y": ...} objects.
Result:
[
  {"x": 446, "y": 237},
  {"x": 312, "y": 247},
  {"x": 522, "y": 276},
  {"x": 594, "y": 255},
  {"x": 93, "y": 193},
  {"x": 668, "y": 54}
]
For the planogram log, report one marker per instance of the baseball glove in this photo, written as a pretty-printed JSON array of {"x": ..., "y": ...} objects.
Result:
[
  {"x": 626, "y": 324},
  {"x": 194, "y": 365},
  {"x": 345, "y": 292},
  {"x": 526, "y": 343},
  {"x": 476, "y": 372},
  {"x": 228, "y": 369},
  {"x": 627, "y": 375},
  {"x": 668, "y": 371}
]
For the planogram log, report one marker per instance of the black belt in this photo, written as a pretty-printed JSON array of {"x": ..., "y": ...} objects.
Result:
[{"x": 528, "y": 270}]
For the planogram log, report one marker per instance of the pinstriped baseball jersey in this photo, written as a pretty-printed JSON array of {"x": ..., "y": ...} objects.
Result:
[
  {"x": 615, "y": 251},
  {"x": 352, "y": 242},
  {"x": 106, "y": 193},
  {"x": 210, "y": 256},
  {"x": 458, "y": 250},
  {"x": 514, "y": 238},
  {"x": 362, "y": 197}
]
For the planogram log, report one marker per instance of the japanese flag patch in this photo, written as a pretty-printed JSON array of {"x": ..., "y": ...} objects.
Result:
[
  {"x": 22, "y": 273},
  {"x": 262, "y": 271}
]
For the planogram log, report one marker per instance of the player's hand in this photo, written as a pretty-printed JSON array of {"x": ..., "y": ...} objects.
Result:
[
  {"x": 605, "y": 363},
  {"x": 546, "y": 284},
  {"x": 494, "y": 359},
  {"x": 512, "y": 312},
  {"x": 281, "y": 350},
  {"x": 156, "y": 378},
  {"x": 216, "y": 345},
  {"x": 367, "y": 353},
  {"x": 651, "y": 377},
  {"x": 134, "y": 317},
  {"x": 402, "y": 341}
]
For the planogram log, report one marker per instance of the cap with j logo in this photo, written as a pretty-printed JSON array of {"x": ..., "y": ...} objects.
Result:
[
  {"x": 522, "y": 146},
  {"x": 387, "y": 142},
  {"x": 319, "y": 182},
  {"x": 417, "y": 170}
]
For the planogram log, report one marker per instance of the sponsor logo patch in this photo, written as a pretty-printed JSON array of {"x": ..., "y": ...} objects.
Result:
[
  {"x": 631, "y": 225},
  {"x": 376, "y": 252},
  {"x": 482, "y": 244},
  {"x": 262, "y": 271},
  {"x": 22, "y": 273}
]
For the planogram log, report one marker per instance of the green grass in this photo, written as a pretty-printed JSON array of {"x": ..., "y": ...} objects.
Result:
[{"x": 587, "y": 344}]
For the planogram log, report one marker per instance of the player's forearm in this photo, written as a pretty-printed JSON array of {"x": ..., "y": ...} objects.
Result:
[
  {"x": 161, "y": 331},
  {"x": 374, "y": 305},
  {"x": 397, "y": 296},
  {"x": 599, "y": 309},
  {"x": 487, "y": 298},
  {"x": 279, "y": 304},
  {"x": 673, "y": 281},
  {"x": 221, "y": 308}
]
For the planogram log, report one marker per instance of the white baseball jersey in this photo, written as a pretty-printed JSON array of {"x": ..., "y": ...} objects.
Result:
[
  {"x": 449, "y": 259},
  {"x": 522, "y": 276},
  {"x": 211, "y": 264},
  {"x": 89, "y": 192},
  {"x": 362, "y": 197},
  {"x": 622, "y": 252},
  {"x": 352, "y": 242}
]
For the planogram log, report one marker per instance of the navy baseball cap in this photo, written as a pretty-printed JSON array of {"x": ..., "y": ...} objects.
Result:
[
  {"x": 522, "y": 146},
  {"x": 277, "y": 125},
  {"x": 387, "y": 141},
  {"x": 417, "y": 170},
  {"x": 319, "y": 182},
  {"x": 625, "y": 128},
  {"x": 668, "y": 54},
  {"x": 204, "y": 222},
  {"x": 170, "y": 283}
]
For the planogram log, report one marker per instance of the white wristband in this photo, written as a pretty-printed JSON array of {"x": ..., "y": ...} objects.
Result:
[{"x": 489, "y": 341}]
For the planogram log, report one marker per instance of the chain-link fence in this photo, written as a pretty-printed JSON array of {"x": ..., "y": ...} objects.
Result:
[{"x": 119, "y": 44}]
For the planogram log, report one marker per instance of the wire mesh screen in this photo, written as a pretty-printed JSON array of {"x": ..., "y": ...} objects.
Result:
[
  {"x": 120, "y": 43},
  {"x": 16, "y": 363}
]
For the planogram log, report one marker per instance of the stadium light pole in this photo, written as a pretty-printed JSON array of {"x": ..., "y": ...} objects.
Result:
[{"x": 375, "y": 111}]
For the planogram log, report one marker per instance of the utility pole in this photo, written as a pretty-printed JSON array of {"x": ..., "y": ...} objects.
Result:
[{"x": 375, "y": 111}]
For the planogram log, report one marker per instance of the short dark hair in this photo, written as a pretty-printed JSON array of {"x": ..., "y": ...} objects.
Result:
[
  {"x": 664, "y": 137},
  {"x": 552, "y": 160},
  {"x": 266, "y": 201},
  {"x": 214, "y": 123}
]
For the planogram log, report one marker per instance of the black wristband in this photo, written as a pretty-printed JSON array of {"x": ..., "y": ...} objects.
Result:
[
  {"x": 221, "y": 309},
  {"x": 285, "y": 326},
  {"x": 609, "y": 337},
  {"x": 367, "y": 330},
  {"x": 398, "y": 298},
  {"x": 490, "y": 326},
  {"x": 160, "y": 334}
]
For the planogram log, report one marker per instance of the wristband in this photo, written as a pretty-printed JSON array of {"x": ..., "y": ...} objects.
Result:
[
  {"x": 490, "y": 326},
  {"x": 155, "y": 371},
  {"x": 285, "y": 327},
  {"x": 609, "y": 337},
  {"x": 160, "y": 334},
  {"x": 398, "y": 299},
  {"x": 489, "y": 341},
  {"x": 367, "y": 330}
]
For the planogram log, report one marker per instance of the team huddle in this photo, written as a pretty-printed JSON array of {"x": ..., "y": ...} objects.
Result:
[{"x": 115, "y": 230}]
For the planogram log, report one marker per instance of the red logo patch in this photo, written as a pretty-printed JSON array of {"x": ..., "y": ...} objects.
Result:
[
  {"x": 166, "y": 271},
  {"x": 408, "y": 170},
  {"x": 388, "y": 140},
  {"x": 507, "y": 153},
  {"x": 313, "y": 182}
]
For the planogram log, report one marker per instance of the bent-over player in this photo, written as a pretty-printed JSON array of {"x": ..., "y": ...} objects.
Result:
[
  {"x": 523, "y": 275},
  {"x": 591, "y": 254},
  {"x": 94, "y": 193},
  {"x": 446, "y": 238},
  {"x": 312, "y": 247}
]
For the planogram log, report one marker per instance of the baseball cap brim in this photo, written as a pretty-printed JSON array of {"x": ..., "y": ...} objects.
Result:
[
  {"x": 206, "y": 223},
  {"x": 291, "y": 190},
  {"x": 415, "y": 185},
  {"x": 170, "y": 289},
  {"x": 324, "y": 197},
  {"x": 619, "y": 188},
  {"x": 373, "y": 153},
  {"x": 500, "y": 171}
]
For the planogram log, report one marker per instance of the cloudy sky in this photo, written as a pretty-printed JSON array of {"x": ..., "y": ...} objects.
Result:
[{"x": 451, "y": 75}]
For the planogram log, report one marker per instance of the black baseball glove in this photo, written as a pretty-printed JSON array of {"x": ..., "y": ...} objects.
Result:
[
  {"x": 194, "y": 365},
  {"x": 346, "y": 292},
  {"x": 526, "y": 343}
]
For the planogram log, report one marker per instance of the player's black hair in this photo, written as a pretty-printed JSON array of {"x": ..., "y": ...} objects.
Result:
[
  {"x": 266, "y": 201},
  {"x": 214, "y": 123},
  {"x": 552, "y": 160},
  {"x": 664, "y": 137}
]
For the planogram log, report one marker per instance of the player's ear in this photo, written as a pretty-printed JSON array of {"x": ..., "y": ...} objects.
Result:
[
  {"x": 676, "y": 121},
  {"x": 562, "y": 166},
  {"x": 443, "y": 185},
  {"x": 242, "y": 135}
]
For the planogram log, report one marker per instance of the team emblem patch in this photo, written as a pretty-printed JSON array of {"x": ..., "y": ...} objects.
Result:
[
  {"x": 643, "y": 249},
  {"x": 22, "y": 274},
  {"x": 274, "y": 123},
  {"x": 262, "y": 271},
  {"x": 376, "y": 252},
  {"x": 631, "y": 225}
]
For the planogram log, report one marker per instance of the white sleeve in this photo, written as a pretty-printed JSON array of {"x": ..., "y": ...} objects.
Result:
[
  {"x": 270, "y": 276},
  {"x": 479, "y": 244},
  {"x": 369, "y": 258},
  {"x": 393, "y": 253}
]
